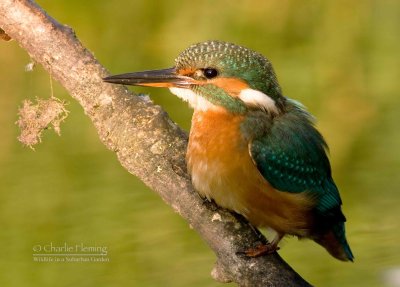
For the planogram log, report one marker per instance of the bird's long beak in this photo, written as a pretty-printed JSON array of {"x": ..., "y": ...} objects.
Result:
[{"x": 156, "y": 78}]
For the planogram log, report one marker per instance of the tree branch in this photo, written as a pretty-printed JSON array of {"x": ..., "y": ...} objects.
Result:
[{"x": 147, "y": 143}]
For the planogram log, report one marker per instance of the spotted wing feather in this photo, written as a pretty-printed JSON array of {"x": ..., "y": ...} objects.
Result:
[{"x": 291, "y": 156}]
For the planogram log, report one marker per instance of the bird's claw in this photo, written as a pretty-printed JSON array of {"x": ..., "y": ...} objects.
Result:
[{"x": 259, "y": 250}]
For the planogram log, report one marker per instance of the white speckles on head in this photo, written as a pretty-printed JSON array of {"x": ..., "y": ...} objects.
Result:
[
  {"x": 259, "y": 99},
  {"x": 195, "y": 101}
]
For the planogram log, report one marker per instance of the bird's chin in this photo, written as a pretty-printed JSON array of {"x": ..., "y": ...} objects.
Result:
[{"x": 196, "y": 101}]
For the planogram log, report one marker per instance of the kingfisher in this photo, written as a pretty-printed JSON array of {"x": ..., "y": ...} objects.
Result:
[{"x": 251, "y": 149}]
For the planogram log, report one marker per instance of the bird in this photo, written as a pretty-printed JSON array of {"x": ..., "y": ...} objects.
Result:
[{"x": 251, "y": 149}]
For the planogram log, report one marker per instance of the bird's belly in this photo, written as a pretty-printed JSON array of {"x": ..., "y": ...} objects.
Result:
[{"x": 226, "y": 173}]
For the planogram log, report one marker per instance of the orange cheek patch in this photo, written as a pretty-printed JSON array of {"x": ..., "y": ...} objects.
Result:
[{"x": 232, "y": 86}]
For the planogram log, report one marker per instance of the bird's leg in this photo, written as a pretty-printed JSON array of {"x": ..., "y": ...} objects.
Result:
[
  {"x": 264, "y": 249},
  {"x": 256, "y": 231}
]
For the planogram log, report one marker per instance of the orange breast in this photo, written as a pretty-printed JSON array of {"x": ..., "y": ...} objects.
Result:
[{"x": 222, "y": 169}]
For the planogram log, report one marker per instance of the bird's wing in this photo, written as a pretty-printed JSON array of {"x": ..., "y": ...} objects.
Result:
[{"x": 291, "y": 156}]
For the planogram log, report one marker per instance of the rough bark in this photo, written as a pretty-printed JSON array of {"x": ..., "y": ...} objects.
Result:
[{"x": 147, "y": 143}]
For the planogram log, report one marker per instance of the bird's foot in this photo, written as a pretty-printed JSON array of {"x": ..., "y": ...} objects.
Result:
[{"x": 259, "y": 250}]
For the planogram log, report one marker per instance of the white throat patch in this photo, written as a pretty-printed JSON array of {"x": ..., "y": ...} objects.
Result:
[
  {"x": 259, "y": 99},
  {"x": 195, "y": 101}
]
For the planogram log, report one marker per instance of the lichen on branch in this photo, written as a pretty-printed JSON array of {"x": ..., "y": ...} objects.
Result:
[{"x": 34, "y": 118}]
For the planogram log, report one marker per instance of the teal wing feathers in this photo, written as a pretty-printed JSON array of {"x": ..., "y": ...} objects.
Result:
[{"x": 291, "y": 156}]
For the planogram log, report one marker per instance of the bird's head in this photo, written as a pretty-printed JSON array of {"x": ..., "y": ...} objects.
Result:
[{"x": 214, "y": 75}]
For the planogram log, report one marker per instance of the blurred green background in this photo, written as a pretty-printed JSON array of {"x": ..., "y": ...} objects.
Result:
[{"x": 339, "y": 58}]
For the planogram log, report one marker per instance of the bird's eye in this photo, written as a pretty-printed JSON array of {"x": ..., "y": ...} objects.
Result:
[{"x": 210, "y": 73}]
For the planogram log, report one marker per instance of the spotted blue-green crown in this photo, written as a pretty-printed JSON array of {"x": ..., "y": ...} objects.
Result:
[{"x": 232, "y": 61}]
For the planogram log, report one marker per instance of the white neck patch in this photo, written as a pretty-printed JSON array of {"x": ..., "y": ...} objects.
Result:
[
  {"x": 259, "y": 99},
  {"x": 248, "y": 96},
  {"x": 195, "y": 101}
]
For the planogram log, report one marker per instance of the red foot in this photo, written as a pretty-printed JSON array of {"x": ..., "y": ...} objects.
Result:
[{"x": 260, "y": 250}]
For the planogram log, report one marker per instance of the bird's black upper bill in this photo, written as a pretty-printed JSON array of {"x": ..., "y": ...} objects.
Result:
[{"x": 155, "y": 78}]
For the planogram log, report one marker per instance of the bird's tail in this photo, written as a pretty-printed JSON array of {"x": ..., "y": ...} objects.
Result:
[{"x": 335, "y": 243}]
